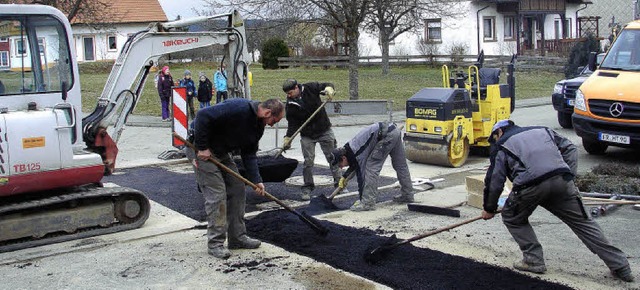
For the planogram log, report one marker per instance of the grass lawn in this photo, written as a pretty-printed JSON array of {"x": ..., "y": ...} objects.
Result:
[{"x": 399, "y": 85}]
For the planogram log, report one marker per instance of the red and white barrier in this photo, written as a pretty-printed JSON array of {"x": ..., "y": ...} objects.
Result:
[{"x": 180, "y": 120}]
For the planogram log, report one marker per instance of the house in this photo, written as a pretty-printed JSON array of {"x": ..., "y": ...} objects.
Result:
[
  {"x": 101, "y": 41},
  {"x": 499, "y": 27},
  {"x": 104, "y": 41}
]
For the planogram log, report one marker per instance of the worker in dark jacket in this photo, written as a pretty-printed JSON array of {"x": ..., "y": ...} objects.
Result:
[
  {"x": 365, "y": 155},
  {"x": 302, "y": 102},
  {"x": 236, "y": 124},
  {"x": 541, "y": 165}
]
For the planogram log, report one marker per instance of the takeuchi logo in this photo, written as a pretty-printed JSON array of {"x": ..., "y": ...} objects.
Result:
[{"x": 183, "y": 41}]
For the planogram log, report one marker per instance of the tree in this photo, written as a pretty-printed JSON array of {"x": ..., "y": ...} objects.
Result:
[
  {"x": 347, "y": 15},
  {"x": 271, "y": 50},
  {"x": 392, "y": 18},
  {"x": 86, "y": 11}
]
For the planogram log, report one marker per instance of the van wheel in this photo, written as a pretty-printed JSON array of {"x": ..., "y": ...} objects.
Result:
[
  {"x": 564, "y": 119},
  {"x": 594, "y": 147}
]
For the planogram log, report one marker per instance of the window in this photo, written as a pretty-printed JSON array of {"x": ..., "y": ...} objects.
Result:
[
  {"x": 111, "y": 42},
  {"x": 4, "y": 39},
  {"x": 565, "y": 29},
  {"x": 509, "y": 28},
  {"x": 88, "y": 49},
  {"x": 19, "y": 47},
  {"x": 433, "y": 32},
  {"x": 489, "y": 28},
  {"x": 39, "y": 68},
  {"x": 41, "y": 46},
  {"x": 4, "y": 58}
]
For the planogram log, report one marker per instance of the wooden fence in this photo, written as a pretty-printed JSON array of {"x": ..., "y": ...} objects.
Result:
[{"x": 524, "y": 62}]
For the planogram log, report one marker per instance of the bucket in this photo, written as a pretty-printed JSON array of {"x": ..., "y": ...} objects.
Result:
[{"x": 272, "y": 169}]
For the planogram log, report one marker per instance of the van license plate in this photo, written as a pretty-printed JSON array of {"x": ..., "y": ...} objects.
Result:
[
  {"x": 571, "y": 102},
  {"x": 614, "y": 138}
]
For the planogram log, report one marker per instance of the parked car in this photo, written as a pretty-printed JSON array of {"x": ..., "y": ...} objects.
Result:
[{"x": 564, "y": 95}]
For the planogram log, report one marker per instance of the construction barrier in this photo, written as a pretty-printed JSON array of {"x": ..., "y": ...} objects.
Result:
[{"x": 180, "y": 121}]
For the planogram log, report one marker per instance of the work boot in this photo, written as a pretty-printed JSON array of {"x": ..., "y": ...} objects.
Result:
[
  {"x": 623, "y": 274},
  {"x": 403, "y": 198},
  {"x": 524, "y": 266},
  {"x": 220, "y": 252},
  {"x": 244, "y": 242},
  {"x": 359, "y": 206}
]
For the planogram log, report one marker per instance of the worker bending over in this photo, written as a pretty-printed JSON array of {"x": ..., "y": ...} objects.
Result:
[
  {"x": 365, "y": 154},
  {"x": 541, "y": 165},
  {"x": 236, "y": 124}
]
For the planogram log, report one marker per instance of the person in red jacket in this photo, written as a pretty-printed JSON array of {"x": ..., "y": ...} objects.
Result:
[{"x": 165, "y": 82}]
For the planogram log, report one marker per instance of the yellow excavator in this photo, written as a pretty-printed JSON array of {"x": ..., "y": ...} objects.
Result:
[{"x": 444, "y": 124}]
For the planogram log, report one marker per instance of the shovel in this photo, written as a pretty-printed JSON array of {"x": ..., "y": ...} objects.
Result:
[
  {"x": 303, "y": 125},
  {"x": 376, "y": 254},
  {"x": 312, "y": 222},
  {"x": 327, "y": 201}
]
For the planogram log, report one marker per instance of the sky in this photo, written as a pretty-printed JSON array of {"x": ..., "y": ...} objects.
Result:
[{"x": 184, "y": 8}]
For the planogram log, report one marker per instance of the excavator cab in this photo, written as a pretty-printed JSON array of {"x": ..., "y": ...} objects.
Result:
[{"x": 444, "y": 124}]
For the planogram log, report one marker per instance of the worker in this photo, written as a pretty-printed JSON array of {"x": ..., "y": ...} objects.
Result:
[
  {"x": 302, "y": 102},
  {"x": 365, "y": 154},
  {"x": 216, "y": 134},
  {"x": 541, "y": 165}
]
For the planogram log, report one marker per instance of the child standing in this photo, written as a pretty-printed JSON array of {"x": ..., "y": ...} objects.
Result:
[
  {"x": 165, "y": 82},
  {"x": 191, "y": 91},
  {"x": 205, "y": 88}
]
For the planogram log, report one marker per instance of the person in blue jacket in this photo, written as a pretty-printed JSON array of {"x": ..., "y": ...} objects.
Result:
[
  {"x": 220, "y": 81},
  {"x": 191, "y": 92},
  {"x": 234, "y": 125}
]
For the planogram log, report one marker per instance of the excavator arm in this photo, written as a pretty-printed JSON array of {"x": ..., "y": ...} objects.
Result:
[{"x": 102, "y": 128}]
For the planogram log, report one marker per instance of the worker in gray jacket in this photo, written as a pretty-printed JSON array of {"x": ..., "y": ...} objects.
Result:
[
  {"x": 365, "y": 154},
  {"x": 541, "y": 165}
]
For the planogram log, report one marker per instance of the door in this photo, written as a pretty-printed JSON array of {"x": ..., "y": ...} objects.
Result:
[{"x": 88, "y": 47}]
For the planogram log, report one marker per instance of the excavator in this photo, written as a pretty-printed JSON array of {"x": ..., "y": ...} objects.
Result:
[
  {"x": 52, "y": 160},
  {"x": 444, "y": 124}
]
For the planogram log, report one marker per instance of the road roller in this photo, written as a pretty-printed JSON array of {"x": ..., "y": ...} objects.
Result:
[{"x": 444, "y": 124}]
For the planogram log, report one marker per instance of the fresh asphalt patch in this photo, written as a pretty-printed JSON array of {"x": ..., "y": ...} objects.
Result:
[
  {"x": 179, "y": 191},
  {"x": 406, "y": 267}
]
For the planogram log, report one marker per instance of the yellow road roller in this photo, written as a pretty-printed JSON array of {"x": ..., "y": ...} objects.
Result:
[{"x": 444, "y": 124}]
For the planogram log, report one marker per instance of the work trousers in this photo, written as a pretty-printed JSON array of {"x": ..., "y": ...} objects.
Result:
[
  {"x": 561, "y": 198},
  {"x": 224, "y": 198},
  {"x": 327, "y": 143},
  {"x": 389, "y": 145}
]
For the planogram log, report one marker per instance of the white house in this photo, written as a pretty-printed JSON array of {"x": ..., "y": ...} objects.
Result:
[
  {"x": 91, "y": 43},
  {"x": 105, "y": 42},
  {"x": 499, "y": 27}
]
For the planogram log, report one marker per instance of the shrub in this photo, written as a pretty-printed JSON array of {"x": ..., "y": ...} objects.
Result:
[
  {"x": 271, "y": 50},
  {"x": 579, "y": 55}
]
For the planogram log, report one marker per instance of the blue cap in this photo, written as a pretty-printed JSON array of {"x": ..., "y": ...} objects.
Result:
[{"x": 500, "y": 124}]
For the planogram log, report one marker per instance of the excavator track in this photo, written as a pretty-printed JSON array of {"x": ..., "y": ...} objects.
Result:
[{"x": 89, "y": 211}]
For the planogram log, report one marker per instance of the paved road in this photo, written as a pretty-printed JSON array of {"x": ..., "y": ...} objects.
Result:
[{"x": 167, "y": 253}]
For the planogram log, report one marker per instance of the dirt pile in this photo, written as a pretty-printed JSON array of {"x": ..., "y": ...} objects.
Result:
[
  {"x": 407, "y": 267},
  {"x": 611, "y": 178}
]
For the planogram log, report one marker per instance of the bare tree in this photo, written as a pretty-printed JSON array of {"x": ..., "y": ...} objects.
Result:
[
  {"x": 392, "y": 18},
  {"x": 346, "y": 15},
  {"x": 86, "y": 11}
]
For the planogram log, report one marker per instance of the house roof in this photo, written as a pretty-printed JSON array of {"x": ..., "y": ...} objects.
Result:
[{"x": 132, "y": 11}]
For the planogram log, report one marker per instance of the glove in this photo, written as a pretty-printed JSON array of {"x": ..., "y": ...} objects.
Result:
[
  {"x": 329, "y": 92},
  {"x": 342, "y": 183},
  {"x": 287, "y": 143}
]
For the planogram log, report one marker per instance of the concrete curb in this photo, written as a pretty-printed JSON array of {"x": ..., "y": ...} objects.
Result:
[{"x": 336, "y": 120}]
